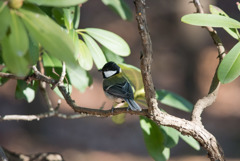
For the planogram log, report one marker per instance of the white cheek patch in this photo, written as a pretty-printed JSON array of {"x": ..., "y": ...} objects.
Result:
[{"x": 109, "y": 73}]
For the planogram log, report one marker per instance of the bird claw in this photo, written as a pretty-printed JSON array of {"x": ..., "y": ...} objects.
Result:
[{"x": 112, "y": 110}]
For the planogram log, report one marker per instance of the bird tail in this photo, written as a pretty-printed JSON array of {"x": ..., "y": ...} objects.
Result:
[{"x": 133, "y": 105}]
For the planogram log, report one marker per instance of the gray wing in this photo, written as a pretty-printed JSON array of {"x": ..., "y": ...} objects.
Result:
[{"x": 121, "y": 90}]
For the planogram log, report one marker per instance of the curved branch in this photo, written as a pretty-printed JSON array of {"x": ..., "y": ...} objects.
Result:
[
  {"x": 206, "y": 139},
  {"x": 213, "y": 91}
]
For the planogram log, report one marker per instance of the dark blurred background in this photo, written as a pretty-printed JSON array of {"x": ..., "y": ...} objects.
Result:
[{"x": 184, "y": 62}]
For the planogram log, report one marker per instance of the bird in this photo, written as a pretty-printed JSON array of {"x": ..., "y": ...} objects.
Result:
[{"x": 117, "y": 87}]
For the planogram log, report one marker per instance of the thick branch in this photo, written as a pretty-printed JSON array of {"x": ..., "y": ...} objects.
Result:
[
  {"x": 146, "y": 57},
  {"x": 206, "y": 139}
]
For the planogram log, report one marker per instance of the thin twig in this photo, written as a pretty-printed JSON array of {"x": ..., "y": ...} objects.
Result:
[
  {"x": 11, "y": 76},
  {"x": 42, "y": 87},
  {"x": 60, "y": 81}
]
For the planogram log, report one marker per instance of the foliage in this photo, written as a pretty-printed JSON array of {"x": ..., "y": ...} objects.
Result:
[
  {"x": 229, "y": 68},
  {"x": 47, "y": 32}
]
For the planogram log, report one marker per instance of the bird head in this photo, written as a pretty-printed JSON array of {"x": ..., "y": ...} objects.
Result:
[{"x": 110, "y": 69}]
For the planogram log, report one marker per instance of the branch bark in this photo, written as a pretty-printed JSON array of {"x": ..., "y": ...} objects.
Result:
[
  {"x": 197, "y": 131},
  {"x": 33, "y": 157},
  {"x": 215, "y": 85},
  {"x": 192, "y": 128}
]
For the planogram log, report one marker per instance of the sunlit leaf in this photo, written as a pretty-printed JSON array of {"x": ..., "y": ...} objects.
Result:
[
  {"x": 229, "y": 68},
  {"x": 153, "y": 138},
  {"x": 133, "y": 74},
  {"x": 76, "y": 19},
  {"x": 16, "y": 65},
  {"x": 218, "y": 11},
  {"x": 97, "y": 54},
  {"x": 174, "y": 100},
  {"x": 110, "y": 40},
  {"x": 199, "y": 19},
  {"x": 171, "y": 136},
  {"x": 18, "y": 38},
  {"x": 79, "y": 78},
  {"x": 24, "y": 91},
  {"x": 4, "y": 19},
  {"x": 84, "y": 55},
  {"x": 50, "y": 35},
  {"x": 110, "y": 56},
  {"x": 49, "y": 61},
  {"x": 33, "y": 51},
  {"x": 120, "y": 7},
  {"x": 190, "y": 141},
  {"x": 119, "y": 119},
  {"x": 57, "y": 3}
]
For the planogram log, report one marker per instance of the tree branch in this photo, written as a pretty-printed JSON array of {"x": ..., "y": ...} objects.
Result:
[
  {"x": 213, "y": 91},
  {"x": 206, "y": 139},
  {"x": 197, "y": 131},
  {"x": 146, "y": 56},
  {"x": 33, "y": 157}
]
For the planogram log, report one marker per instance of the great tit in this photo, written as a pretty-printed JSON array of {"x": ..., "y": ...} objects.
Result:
[{"x": 117, "y": 87}]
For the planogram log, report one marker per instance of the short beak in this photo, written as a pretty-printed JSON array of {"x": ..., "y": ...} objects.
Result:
[{"x": 100, "y": 70}]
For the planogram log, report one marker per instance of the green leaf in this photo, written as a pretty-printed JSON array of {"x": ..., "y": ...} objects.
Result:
[
  {"x": 110, "y": 40},
  {"x": 199, "y": 19},
  {"x": 190, "y": 141},
  {"x": 110, "y": 56},
  {"x": 49, "y": 61},
  {"x": 153, "y": 138},
  {"x": 24, "y": 91},
  {"x": 97, "y": 54},
  {"x": 50, "y": 35},
  {"x": 84, "y": 55},
  {"x": 218, "y": 11},
  {"x": 18, "y": 35},
  {"x": 133, "y": 74},
  {"x": 71, "y": 17},
  {"x": 119, "y": 119},
  {"x": 229, "y": 68},
  {"x": 33, "y": 51},
  {"x": 57, "y": 14},
  {"x": 68, "y": 14},
  {"x": 4, "y": 19},
  {"x": 120, "y": 7},
  {"x": 76, "y": 19},
  {"x": 174, "y": 100},
  {"x": 16, "y": 65},
  {"x": 171, "y": 136},
  {"x": 3, "y": 80},
  {"x": 79, "y": 78},
  {"x": 56, "y": 3}
]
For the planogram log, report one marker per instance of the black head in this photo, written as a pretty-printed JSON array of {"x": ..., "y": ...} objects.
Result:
[{"x": 110, "y": 69}]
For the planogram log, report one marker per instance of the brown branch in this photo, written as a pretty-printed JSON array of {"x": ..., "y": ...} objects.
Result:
[
  {"x": 11, "y": 76},
  {"x": 186, "y": 127},
  {"x": 33, "y": 157},
  {"x": 60, "y": 81},
  {"x": 213, "y": 91},
  {"x": 146, "y": 57},
  {"x": 206, "y": 139}
]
